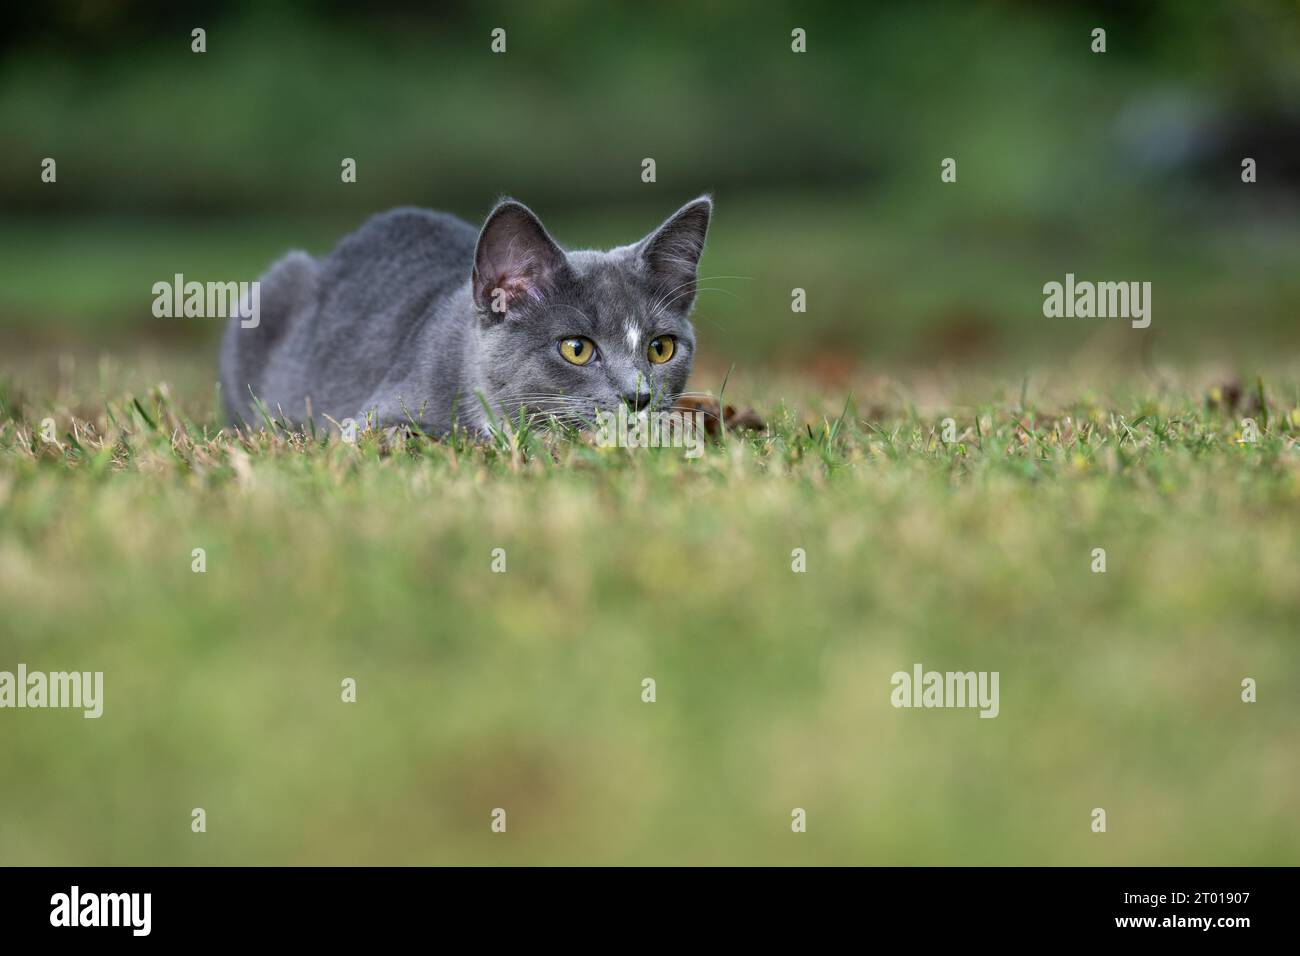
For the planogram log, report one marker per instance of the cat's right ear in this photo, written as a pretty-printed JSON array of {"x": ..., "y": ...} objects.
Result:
[
  {"x": 672, "y": 252},
  {"x": 515, "y": 260}
]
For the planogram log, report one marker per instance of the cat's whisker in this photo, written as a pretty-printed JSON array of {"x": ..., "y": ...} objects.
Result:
[
  {"x": 547, "y": 405},
  {"x": 709, "y": 288},
  {"x": 658, "y": 304},
  {"x": 535, "y": 406},
  {"x": 688, "y": 409},
  {"x": 684, "y": 289},
  {"x": 659, "y": 310},
  {"x": 569, "y": 419},
  {"x": 522, "y": 396},
  {"x": 507, "y": 395}
]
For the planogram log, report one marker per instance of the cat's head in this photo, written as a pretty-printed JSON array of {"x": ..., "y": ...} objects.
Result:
[{"x": 573, "y": 333}]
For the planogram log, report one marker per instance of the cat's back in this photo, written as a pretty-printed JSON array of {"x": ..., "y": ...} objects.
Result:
[
  {"x": 349, "y": 328},
  {"x": 381, "y": 285},
  {"x": 407, "y": 246}
]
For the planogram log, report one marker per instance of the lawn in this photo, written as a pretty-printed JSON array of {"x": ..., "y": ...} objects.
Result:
[{"x": 523, "y": 690}]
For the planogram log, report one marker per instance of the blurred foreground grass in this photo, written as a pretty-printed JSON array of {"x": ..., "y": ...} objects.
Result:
[{"x": 522, "y": 690}]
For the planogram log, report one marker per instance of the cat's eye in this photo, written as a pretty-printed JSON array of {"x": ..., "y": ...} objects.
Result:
[
  {"x": 660, "y": 349},
  {"x": 577, "y": 350}
]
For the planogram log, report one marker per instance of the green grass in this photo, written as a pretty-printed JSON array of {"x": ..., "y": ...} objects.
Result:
[{"x": 522, "y": 690}]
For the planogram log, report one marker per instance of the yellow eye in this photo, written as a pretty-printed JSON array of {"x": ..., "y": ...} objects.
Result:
[
  {"x": 660, "y": 349},
  {"x": 578, "y": 351}
]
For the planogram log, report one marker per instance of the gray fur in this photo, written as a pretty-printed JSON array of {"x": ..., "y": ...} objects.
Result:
[{"x": 397, "y": 322}]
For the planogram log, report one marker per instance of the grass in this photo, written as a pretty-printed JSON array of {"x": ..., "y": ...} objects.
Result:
[{"x": 522, "y": 689}]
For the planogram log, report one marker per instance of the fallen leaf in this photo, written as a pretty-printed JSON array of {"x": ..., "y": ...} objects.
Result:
[{"x": 730, "y": 416}]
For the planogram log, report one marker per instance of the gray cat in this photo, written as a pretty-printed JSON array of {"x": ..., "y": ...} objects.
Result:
[{"x": 415, "y": 318}]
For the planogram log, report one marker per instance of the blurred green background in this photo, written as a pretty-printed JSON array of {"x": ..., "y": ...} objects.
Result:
[{"x": 825, "y": 165}]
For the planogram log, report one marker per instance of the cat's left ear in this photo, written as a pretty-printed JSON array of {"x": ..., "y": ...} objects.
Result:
[
  {"x": 515, "y": 258},
  {"x": 672, "y": 252}
]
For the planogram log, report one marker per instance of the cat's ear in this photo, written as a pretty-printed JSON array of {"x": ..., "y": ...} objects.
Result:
[
  {"x": 514, "y": 260},
  {"x": 672, "y": 252}
]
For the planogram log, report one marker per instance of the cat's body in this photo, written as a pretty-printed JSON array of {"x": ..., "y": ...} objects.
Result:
[{"x": 418, "y": 317}]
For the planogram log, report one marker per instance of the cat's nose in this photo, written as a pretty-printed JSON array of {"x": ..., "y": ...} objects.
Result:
[{"x": 636, "y": 400}]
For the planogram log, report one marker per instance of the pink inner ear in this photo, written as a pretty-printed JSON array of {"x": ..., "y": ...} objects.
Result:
[
  {"x": 516, "y": 258},
  {"x": 518, "y": 286},
  {"x": 514, "y": 286}
]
